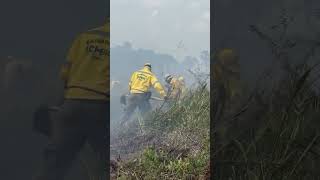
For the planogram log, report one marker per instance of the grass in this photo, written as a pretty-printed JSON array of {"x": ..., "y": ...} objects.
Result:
[
  {"x": 179, "y": 143},
  {"x": 286, "y": 146},
  {"x": 277, "y": 137}
]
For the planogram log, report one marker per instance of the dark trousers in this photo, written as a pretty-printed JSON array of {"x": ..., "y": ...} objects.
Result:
[
  {"x": 140, "y": 101},
  {"x": 78, "y": 122}
]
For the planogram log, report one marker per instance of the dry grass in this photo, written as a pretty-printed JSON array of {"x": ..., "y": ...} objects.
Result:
[
  {"x": 175, "y": 143},
  {"x": 280, "y": 137}
]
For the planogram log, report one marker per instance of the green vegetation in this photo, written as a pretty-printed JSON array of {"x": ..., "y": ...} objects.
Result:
[
  {"x": 286, "y": 145},
  {"x": 277, "y": 134},
  {"x": 174, "y": 143},
  {"x": 155, "y": 164}
]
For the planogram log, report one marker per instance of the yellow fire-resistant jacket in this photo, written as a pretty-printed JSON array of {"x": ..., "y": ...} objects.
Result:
[
  {"x": 86, "y": 73},
  {"x": 141, "y": 81},
  {"x": 176, "y": 88},
  {"x": 229, "y": 79}
]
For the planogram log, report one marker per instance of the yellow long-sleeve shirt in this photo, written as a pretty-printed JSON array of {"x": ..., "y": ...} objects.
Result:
[
  {"x": 141, "y": 81},
  {"x": 86, "y": 72},
  {"x": 176, "y": 88}
]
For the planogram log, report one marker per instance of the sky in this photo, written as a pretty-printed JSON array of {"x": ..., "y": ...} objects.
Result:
[{"x": 176, "y": 27}]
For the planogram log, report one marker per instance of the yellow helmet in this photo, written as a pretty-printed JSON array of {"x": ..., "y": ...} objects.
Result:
[
  {"x": 226, "y": 55},
  {"x": 181, "y": 78}
]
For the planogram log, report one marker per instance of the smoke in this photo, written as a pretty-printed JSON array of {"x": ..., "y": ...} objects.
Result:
[{"x": 125, "y": 60}]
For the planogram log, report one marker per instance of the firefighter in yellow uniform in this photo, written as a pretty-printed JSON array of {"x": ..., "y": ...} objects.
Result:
[
  {"x": 139, "y": 87},
  {"x": 83, "y": 116},
  {"x": 175, "y": 87},
  {"x": 226, "y": 73},
  {"x": 227, "y": 83}
]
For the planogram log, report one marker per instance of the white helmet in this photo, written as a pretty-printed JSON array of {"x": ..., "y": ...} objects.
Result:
[{"x": 168, "y": 77}]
